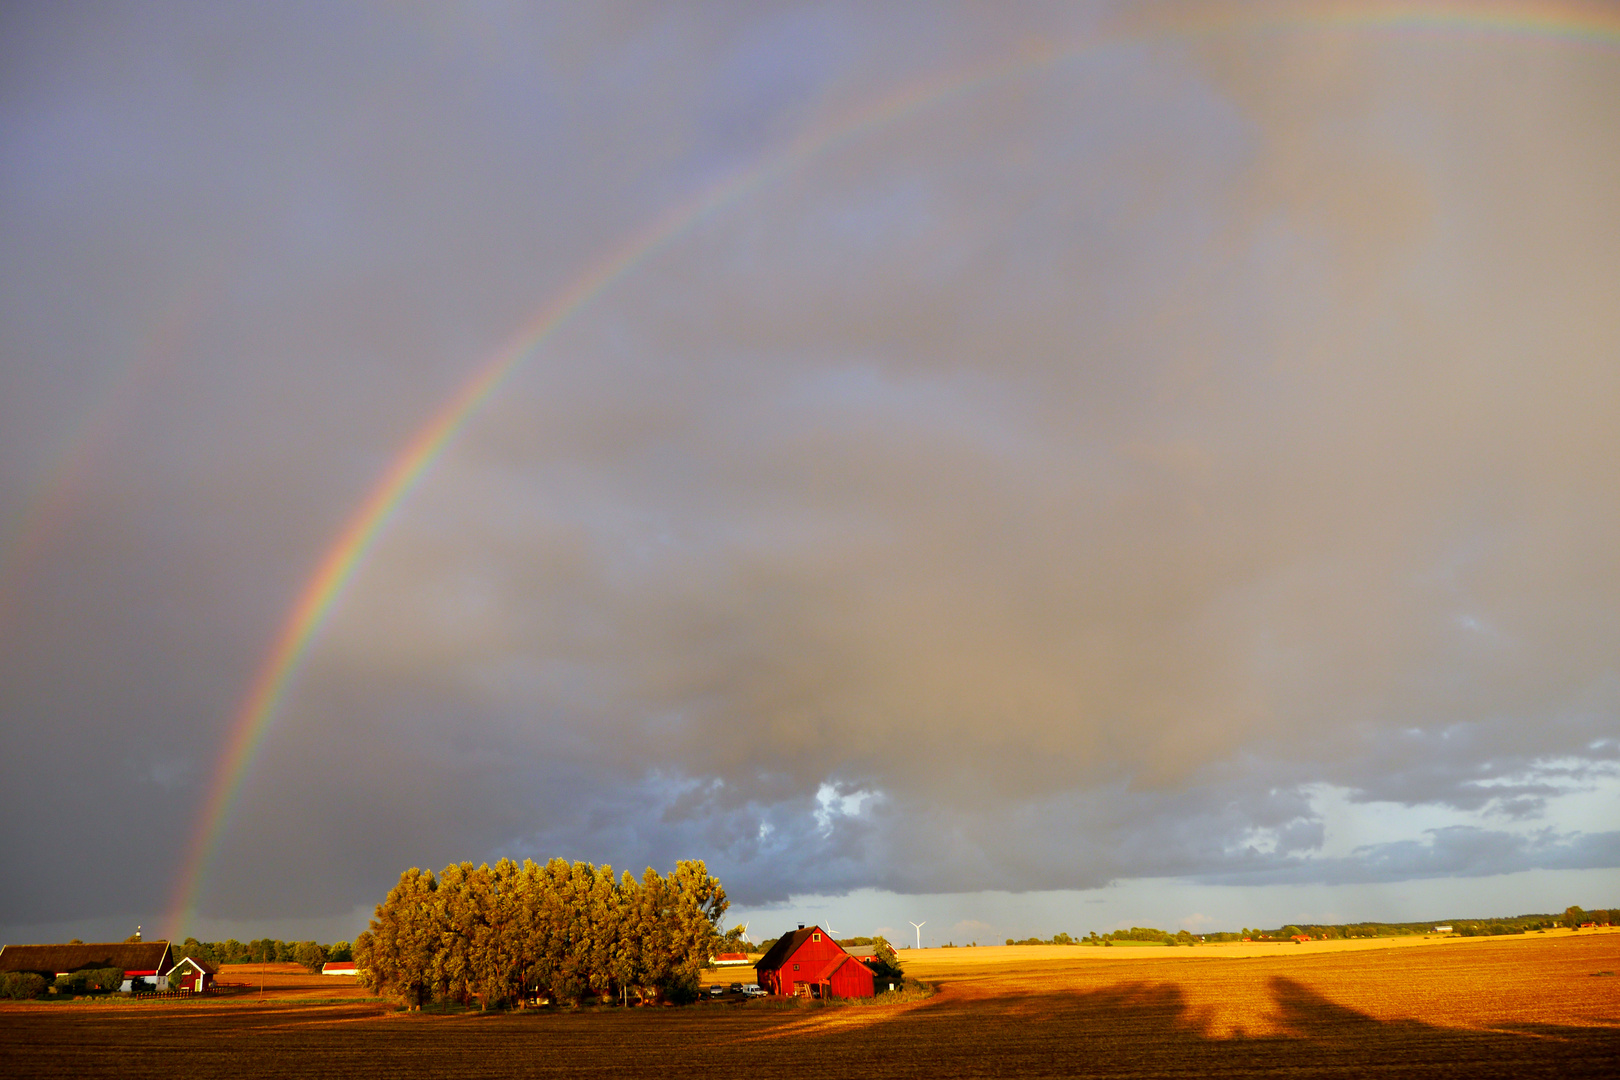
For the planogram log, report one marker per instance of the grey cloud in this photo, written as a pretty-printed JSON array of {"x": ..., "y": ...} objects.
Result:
[
  {"x": 1457, "y": 851},
  {"x": 1084, "y": 463}
]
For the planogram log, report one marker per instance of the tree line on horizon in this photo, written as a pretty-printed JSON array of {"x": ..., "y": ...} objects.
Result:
[
  {"x": 311, "y": 955},
  {"x": 562, "y": 932},
  {"x": 1573, "y": 917}
]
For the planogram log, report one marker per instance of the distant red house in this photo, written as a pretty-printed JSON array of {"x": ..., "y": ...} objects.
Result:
[
  {"x": 809, "y": 961},
  {"x": 194, "y": 974}
]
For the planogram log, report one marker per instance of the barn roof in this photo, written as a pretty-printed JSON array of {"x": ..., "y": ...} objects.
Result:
[
  {"x": 833, "y": 965},
  {"x": 198, "y": 963},
  {"x": 50, "y": 959},
  {"x": 786, "y": 946}
]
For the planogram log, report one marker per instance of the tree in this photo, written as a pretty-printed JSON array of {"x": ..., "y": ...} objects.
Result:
[
  {"x": 104, "y": 980},
  {"x": 886, "y": 965},
  {"x": 310, "y": 955},
  {"x": 689, "y": 906},
  {"x": 1573, "y": 917},
  {"x": 199, "y": 949},
  {"x": 396, "y": 954},
  {"x": 565, "y": 931}
]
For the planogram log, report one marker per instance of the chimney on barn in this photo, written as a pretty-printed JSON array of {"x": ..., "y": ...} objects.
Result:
[{"x": 801, "y": 926}]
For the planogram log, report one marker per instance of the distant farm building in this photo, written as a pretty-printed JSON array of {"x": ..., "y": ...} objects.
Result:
[
  {"x": 149, "y": 961},
  {"x": 339, "y": 967},
  {"x": 1442, "y": 929},
  {"x": 808, "y": 962},
  {"x": 730, "y": 959},
  {"x": 195, "y": 975}
]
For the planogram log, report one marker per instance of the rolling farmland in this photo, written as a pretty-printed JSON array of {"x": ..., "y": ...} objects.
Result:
[{"x": 1539, "y": 1005}]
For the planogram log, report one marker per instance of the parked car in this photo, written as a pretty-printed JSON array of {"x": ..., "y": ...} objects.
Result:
[
  {"x": 715, "y": 990},
  {"x": 735, "y": 988},
  {"x": 753, "y": 991}
]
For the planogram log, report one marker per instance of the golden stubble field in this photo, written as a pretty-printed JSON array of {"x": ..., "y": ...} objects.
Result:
[{"x": 1523, "y": 1006}]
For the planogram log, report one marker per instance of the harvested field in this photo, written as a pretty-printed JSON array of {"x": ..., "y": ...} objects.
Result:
[
  {"x": 1522, "y": 1006},
  {"x": 286, "y": 982}
]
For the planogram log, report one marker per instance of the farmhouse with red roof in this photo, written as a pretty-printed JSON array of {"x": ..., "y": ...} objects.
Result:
[
  {"x": 808, "y": 962},
  {"x": 149, "y": 960}
]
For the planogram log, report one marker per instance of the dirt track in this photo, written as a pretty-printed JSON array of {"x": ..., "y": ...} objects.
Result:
[{"x": 1523, "y": 1006}]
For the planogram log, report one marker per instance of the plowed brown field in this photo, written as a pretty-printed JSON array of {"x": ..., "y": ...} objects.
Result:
[{"x": 1509, "y": 1007}]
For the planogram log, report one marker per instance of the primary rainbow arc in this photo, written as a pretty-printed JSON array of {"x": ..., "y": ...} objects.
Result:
[{"x": 1558, "y": 21}]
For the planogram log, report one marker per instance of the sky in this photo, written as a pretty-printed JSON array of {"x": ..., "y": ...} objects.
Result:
[{"x": 1015, "y": 467}]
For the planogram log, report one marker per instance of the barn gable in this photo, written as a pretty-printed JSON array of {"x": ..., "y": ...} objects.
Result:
[
  {"x": 845, "y": 976},
  {"x": 195, "y": 974}
]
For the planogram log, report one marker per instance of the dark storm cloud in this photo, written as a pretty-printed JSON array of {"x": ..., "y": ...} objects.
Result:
[{"x": 1140, "y": 465}]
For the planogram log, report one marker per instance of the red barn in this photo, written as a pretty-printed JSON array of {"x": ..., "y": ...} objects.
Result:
[
  {"x": 810, "y": 961},
  {"x": 195, "y": 974}
]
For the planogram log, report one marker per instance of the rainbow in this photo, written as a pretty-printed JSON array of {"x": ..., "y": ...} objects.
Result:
[
  {"x": 1557, "y": 21},
  {"x": 47, "y": 512}
]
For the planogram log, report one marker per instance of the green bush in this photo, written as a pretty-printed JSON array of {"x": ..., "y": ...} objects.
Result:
[
  {"x": 20, "y": 985},
  {"x": 103, "y": 980}
]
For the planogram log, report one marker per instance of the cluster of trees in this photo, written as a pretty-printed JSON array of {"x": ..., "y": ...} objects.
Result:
[
  {"x": 1508, "y": 924},
  {"x": 1055, "y": 939},
  {"x": 1135, "y": 933},
  {"x": 1147, "y": 933},
  {"x": 1574, "y": 918},
  {"x": 311, "y": 954},
  {"x": 19, "y": 985},
  {"x": 561, "y": 932}
]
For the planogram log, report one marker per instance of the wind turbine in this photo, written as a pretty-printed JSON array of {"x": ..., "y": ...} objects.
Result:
[
  {"x": 919, "y": 926},
  {"x": 745, "y": 936},
  {"x": 831, "y": 932}
]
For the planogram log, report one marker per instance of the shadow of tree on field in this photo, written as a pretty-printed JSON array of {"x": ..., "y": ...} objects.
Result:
[{"x": 1145, "y": 1029}]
